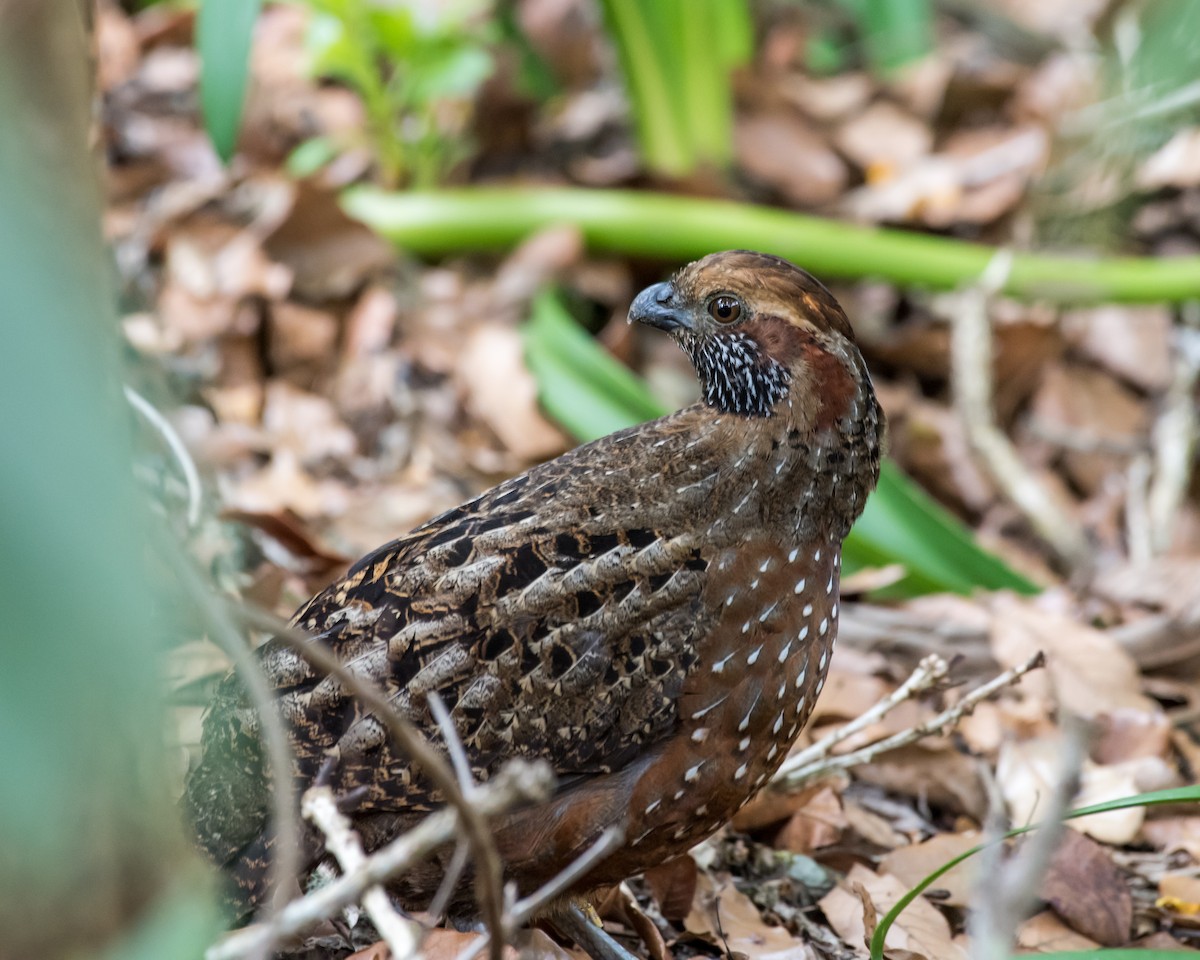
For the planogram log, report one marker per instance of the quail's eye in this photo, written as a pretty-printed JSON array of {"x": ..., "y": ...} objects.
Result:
[{"x": 725, "y": 309}]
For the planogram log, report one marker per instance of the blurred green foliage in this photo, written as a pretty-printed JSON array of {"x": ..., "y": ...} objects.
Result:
[
  {"x": 677, "y": 57},
  {"x": 224, "y": 30},
  {"x": 417, "y": 69},
  {"x": 592, "y": 394},
  {"x": 884, "y": 35},
  {"x": 92, "y": 843}
]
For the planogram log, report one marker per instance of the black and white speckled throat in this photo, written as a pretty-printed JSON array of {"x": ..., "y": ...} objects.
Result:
[{"x": 735, "y": 375}]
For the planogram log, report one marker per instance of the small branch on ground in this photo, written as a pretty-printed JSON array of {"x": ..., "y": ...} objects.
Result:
[
  {"x": 403, "y": 936},
  {"x": 517, "y": 782},
  {"x": 1012, "y": 888},
  {"x": 179, "y": 450},
  {"x": 524, "y": 910},
  {"x": 971, "y": 376},
  {"x": 929, "y": 673},
  {"x": 1174, "y": 435},
  {"x": 792, "y": 774}
]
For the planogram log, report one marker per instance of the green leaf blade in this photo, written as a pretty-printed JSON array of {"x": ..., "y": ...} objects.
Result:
[{"x": 224, "y": 32}]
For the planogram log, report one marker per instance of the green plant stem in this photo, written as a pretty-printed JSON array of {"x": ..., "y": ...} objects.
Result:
[
  {"x": 1154, "y": 798},
  {"x": 646, "y": 66},
  {"x": 674, "y": 228}
]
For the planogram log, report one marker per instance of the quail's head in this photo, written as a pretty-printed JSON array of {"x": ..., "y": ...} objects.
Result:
[{"x": 761, "y": 333}]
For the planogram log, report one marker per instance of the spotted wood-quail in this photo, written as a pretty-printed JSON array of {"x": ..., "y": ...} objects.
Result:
[{"x": 651, "y": 613}]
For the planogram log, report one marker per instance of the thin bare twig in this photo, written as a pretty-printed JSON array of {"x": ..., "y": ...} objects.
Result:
[
  {"x": 1175, "y": 433},
  {"x": 517, "y": 782},
  {"x": 524, "y": 909},
  {"x": 179, "y": 450},
  {"x": 488, "y": 878},
  {"x": 402, "y": 935},
  {"x": 798, "y": 775},
  {"x": 1012, "y": 888},
  {"x": 929, "y": 673},
  {"x": 466, "y": 780},
  {"x": 971, "y": 377}
]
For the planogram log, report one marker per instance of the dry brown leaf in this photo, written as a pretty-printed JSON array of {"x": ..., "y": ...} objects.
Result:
[
  {"x": 921, "y": 928},
  {"x": 298, "y": 335},
  {"x": 284, "y": 485},
  {"x": 305, "y": 424},
  {"x": 330, "y": 255},
  {"x": 1087, "y": 890},
  {"x": 883, "y": 139},
  {"x": 847, "y": 695},
  {"x": 722, "y": 915},
  {"x": 1028, "y": 771},
  {"x": 1086, "y": 404},
  {"x": 780, "y": 150},
  {"x": 871, "y": 826},
  {"x": 1169, "y": 834},
  {"x": 673, "y": 885},
  {"x": 827, "y": 98},
  {"x": 1089, "y": 671},
  {"x": 818, "y": 823},
  {"x": 1134, "y": 342},
  {"x": 912, "y": 863},
  {"x": 303, "y": 553},
  {"x": 932, "y": 770},
  {"x": 1046, "y": 933},
  {"x": 770, "y": 807},
  {"x": 621, "y": 906},
  {"x": 1128, "y": 734},
  {"x": 1180, "y": 893},
  {"x": 502, "y": 393}
]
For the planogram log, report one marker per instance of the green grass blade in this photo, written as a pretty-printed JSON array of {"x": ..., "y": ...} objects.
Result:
[
  {"x": 224, "y": 30},
  {"x": 901, "y": 520},
  {"x": 582, "y": 386},
  {"x": 1119, "y": 953},
  {"x": 591, "y": 394},
  {"x": 1175, "y": 795},
  {"x": 649, "y": 62},
  {"x": 896, "y": 32}
]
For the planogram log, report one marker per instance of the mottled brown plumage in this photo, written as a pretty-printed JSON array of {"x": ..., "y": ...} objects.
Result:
[{"x": 652, "y": 613}]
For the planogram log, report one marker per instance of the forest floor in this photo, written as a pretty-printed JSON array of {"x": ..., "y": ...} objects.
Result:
[{"x": 335, "y": 393}]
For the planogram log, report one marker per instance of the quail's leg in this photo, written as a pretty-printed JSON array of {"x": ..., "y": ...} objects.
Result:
[{"x": 580, "y": 923}]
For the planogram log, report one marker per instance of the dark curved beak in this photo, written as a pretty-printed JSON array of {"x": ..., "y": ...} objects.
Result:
[{"x": 657, "y": 307}]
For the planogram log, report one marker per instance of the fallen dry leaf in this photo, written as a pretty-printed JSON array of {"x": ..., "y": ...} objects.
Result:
[
  {"x": 1089, "y": 405},
  {"x": 1169, "y": 834},
  {"x": 1134, "y": 342},
  {"x": 921, "y": 928},
  {"x": 673, "y": 885},
  {"x": 1127, "y": 733},
  {"x": 330, "y": 255},
  {"x": 818, "y": 823},
  {"x": 1028, "y": 771},
  {"x": 1046, "y": 933},
  {"x": 1086, "y": 889},
  {"x": 502, "y": 393},
  {"x": 781, "y": 150},
  {"x": 1180, "y": 893},
  {"x": 728, "y": 919},
  {"x": 883, "y": 139},
  {"x": 912, "y": 863},
  {"x": 1089, "y": 672}
]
